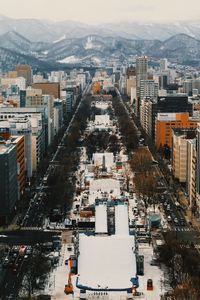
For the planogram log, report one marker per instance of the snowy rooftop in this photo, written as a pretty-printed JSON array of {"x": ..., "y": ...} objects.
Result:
[
  {"x": 102, "y": 120},
  {"x": 101, "y": 225},
  {"x": 99, "y": 187},
  {"x": 102, "y": 105},
  {"x": 106, "y": 262}
]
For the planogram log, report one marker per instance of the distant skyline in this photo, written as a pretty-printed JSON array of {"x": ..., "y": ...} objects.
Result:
[{"x": 103, "y": 11}]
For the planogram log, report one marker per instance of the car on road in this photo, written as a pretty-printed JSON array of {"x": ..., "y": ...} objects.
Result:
[
  {"x": 176, "y": 221},
  {"x": 169, "y": 218},
  {"x": 182, "y": 222},
  {"x": 168, "y": 207}
]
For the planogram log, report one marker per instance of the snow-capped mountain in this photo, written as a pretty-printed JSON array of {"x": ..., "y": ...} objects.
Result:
[
  {"x": 49, "y": 31},
  {"x": 94, "y": 49}
]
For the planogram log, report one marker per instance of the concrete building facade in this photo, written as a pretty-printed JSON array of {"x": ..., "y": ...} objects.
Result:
[
  {"x": 8, "y": 181},
  {"x": 166, "y": 122}
]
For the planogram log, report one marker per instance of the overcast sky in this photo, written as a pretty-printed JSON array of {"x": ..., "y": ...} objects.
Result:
[{"x": 101, "y": 11}]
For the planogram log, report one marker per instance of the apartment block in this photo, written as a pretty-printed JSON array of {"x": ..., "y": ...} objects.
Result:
[
  {"x": 180, "y": 153},
  {"x": 191, "y": 171}
]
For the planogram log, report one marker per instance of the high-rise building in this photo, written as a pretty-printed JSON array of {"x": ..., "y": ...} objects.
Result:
[
  {"x": 8, "y": 181},
  {"x": 180, "y": 154},
  {"x": 164, "y": 80},
  {"x": 191, "y": 170},
  {"x": 18, "y": 127},
  {"x": 198, "y": 168},
  {"x": 163, "y": 64},
  {"x": 36, "y": 118},
  {"x": 26, "y": 72},
  {"x": 20, "y": 147},
  {"x": 141, "y": 74},
  {"x": 148, "y": 88},
  {"x": 34, "y": 98},
  {"x": 130, "y": 83},
  {"x": 146, "y": 115},
  {"x": 170, "y": 104},
  {"x": 141, "y": 70},
  {"x": 166, "y": 122}
]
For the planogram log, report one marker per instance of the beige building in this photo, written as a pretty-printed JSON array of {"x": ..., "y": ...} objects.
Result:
[
  {"x": 130, "y": 83},
  {"x": 19, "y": 81},
  {"x": 35, "y": 98},
  {"x": 146, "y": 116},
  {"x": 191, "y": 170},
  {"x": 180, "y": 153},
  {"x": 26, "y": 72}
]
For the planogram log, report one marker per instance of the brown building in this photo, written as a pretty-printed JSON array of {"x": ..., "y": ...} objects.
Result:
[
  {"x": 131, "y": 71},
  {"x": 26, "y": 72},
  {"x": 20, "y": 146},
  {"x": 48, "y": 88}
]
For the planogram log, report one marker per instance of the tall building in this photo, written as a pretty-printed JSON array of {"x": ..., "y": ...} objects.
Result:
[
  {"x": 130, "y": 83},
  {"x": 19, "y": 126},
  {"x": 198, "y": 168},
  {"x": 163, "y": 64},
  {"x": 187, "y": 87},
  {"x": 36, "y": 118},
  {"x": 20, "y": 147},
  {"x": 170, "y": 104},
  {"x": 164, "y": 80},
  {"x": 146, "y": 115},
  {"x": 180, "y": 154},
  {"x": 8, "y": 181},
  {"x": 26, "y": 72},
  {"x": 141, "y": 71},
  {"x": 34, "y": 98},
  {"x": 148, "y": 88},
  {"x": 165, "y": 124},
  {"x": 58, "y": 115},
  {"x": 141, "y": 74},
  {"x": 191, "y": 171}
]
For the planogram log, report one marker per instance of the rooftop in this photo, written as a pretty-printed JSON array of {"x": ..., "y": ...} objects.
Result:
[{"x": 106, "y": 262}]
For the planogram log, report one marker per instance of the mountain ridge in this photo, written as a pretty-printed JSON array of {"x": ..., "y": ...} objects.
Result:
[
  {"x": 37, "y": 30},
  {"x": 94, "y": 49}
]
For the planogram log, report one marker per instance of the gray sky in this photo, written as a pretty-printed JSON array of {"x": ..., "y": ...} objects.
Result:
[{"x": 99, "y": 11}]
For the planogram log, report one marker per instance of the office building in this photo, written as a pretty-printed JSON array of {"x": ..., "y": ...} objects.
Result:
[
  {"x": 20, "y": 82},
  {"x": 191, "y": 171},
  {"x": 141, "y": 71},
  {"x": 8, "y": 181},
  {"x": 146, "y": 115},
  {"x": 26, "y": 72},
  {"x": 130, "y": 84},
  {"x": 166, "y": 122},
  {"x": 148, "y": 89},
  {"x": 163, "y": 64},
  {"x": 198, "y": 169},
  {"x": 169, "y": 104},
  {"x": 58, "y": 115},
  {"x": 180, "y": 153},
  {"x": 36, "y": 117}
]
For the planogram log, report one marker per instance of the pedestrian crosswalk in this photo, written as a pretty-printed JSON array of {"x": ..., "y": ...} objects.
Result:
[{"x": 176, "y": 228}]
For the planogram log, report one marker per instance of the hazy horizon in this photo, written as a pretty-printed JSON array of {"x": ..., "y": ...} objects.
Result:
[{"x": 95, "y": 12}]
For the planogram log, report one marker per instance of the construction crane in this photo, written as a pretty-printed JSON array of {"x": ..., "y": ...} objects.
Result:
[{"x": 69, "y": 287}]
